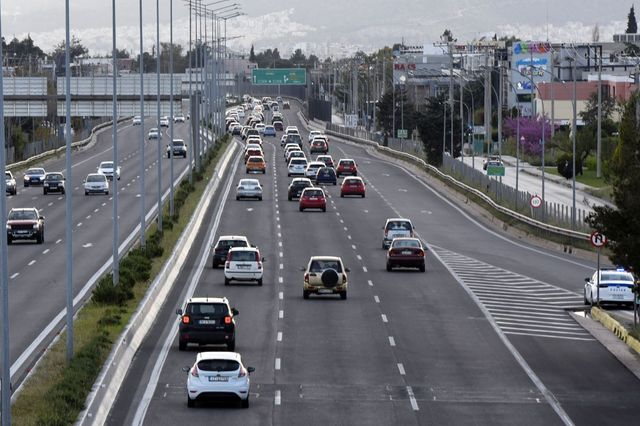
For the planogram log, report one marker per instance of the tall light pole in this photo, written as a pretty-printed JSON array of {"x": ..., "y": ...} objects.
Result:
[
  {"x": 171, "y": 120},
  {"x": 191, "y": 139},
  {"x": 158, "y": 117},
  {"x": 4, "y": 263},
  {"x": 68, "y": 195},
  {"x": 143, "y": 222},
  {"x": 573, "y": 143},
  {"x": 599, "y": 130},
  {"x": 116, "y": 220}
]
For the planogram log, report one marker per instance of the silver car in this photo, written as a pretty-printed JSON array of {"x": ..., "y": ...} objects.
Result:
[
  {"x": 249, "y": 188},
  {"x": 154, "y": 133},
  {"x": 12, "y": 188},
  {"x": 96, "y": 183}
]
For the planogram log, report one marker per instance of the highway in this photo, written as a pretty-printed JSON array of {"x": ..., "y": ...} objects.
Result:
[
  {"x": 37, "y": 285},
  {"x": 481, "y": 338}
]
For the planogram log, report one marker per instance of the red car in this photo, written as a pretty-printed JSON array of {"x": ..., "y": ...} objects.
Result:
[
  {"x": 347, "y": 166},
  {"x": 313, "y": 198},
  {"x": 406, "y": 252},
  {"x": 352, "y": 186}
]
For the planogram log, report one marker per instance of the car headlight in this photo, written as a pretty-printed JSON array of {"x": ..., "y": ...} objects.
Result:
[
  {"x": 26, "y": 178},
  {"x": 35, "y": 226},
  {"x": 8, "y": 227}
]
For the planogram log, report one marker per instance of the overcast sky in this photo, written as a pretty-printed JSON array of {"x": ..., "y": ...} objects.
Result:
[{"x": 368, "y": 23}]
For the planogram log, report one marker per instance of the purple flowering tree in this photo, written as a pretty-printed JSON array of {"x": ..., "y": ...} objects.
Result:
[{"x": 531, "y": 130}]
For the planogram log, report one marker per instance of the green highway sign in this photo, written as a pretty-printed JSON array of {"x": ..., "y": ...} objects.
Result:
[
  {"x": 279, "y": 76},
  {"x": 403, "y": 133},
  {"x": 495, "y": 170}
]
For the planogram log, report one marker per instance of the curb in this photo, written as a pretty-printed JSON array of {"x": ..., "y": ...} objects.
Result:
[
  {"x": 107, "y": 385},
  {"x": 618, "y": 329}
]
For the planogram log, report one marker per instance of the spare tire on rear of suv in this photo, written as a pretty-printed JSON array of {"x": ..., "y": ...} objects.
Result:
[{"x": 329, "y": 278}]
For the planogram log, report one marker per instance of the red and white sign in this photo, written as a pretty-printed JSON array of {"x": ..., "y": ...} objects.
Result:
[
  {"x": 597, "y": 239},
  {"x": 535, "y": 201}
]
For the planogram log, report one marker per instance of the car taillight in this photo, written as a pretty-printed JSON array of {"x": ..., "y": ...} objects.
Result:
[
  {"x": 306, "y": 278},
  {"x": 227, "y": 320},
  {"x": 243, "y": 372},
  {"x": 227, "y": 264},
  {"x": 186, "y": 319},
  {"x": 386, "y": 233},
  {"x": 194, "y": 371},
  {"x": 421, "y": 253},
  {"x": 392, "y": 252},
  {"x": 344, "y": 279}
]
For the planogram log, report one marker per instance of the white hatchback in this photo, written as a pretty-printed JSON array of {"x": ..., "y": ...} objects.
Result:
[
  {"x": 243, "y": 264},
  {"x": 297, "y": 166},
  {"x": 616, "y": 286},
  {"x": 312, "y": 169},
  {"x": 218, "y": 374}
]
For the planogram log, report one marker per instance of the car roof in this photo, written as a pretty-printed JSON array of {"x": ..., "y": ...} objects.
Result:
[
  {"x": 231, "y": 356},
  {"x": 313, "y": 188},
  {"x": 300, "y": 179},
  {"x": 325, "y": 258},
  {"x": 233, "y": 237},
  {"x": 249, "y": 180},
  {"x": 256, "y": 156},
  {"x": 208, "y": 300},
  {"x": 22, "y": 209},
  {"x": 347, "y": 159},
  {"x": 35, "y": 169},
  {"x": 254, "y": 249},
  {"x": 317, "y": 163},
  {"x": 398, "y": 218}
]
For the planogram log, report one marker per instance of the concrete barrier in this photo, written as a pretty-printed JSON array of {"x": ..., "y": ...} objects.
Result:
[{"x": 618, "y": 329}]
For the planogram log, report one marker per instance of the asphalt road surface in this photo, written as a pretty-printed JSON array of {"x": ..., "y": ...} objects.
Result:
[{"x": 481, "y": 338}]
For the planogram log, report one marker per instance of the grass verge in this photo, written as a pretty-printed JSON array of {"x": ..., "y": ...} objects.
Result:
[{"x": 56, "y": 392}]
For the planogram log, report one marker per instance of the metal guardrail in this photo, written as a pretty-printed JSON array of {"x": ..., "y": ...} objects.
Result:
[{"x": 568, "y": 233}]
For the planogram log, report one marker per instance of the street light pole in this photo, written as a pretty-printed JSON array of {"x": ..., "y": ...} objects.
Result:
[
  {"x": 141, "y": 143},
  {"x": 599, "y": 130},
  {"x": 171, "y": 120},
  {"x": 160, "y": 230},
  {"x": 116, "y": 220},
  {"x": 573, "y": 142}
]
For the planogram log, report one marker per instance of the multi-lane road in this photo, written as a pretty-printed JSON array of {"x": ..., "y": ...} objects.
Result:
[
  {"x": 482, "y": 337},
  {"x": 37, "y": 284}
]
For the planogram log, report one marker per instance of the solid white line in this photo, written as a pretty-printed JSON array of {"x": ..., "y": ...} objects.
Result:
[
  {"x": 31, "y": 263},
  {"x": 279, "y": 338},
  {"x": 359, "y": 257},
  {"x": 401, "y": 369},
  {"x": 281, "y": 314},
  {"x": 278, "y": 362},
  {"x": 14, "y": 275},
  {"x": 384, "y": 318},
  {"x": 370, "y": 283},
  {"x": 281, "y": 295},
  {"x": 278, "y": 398},
  {"x": 412, "y": 399},
  {"x": 376, "y": 298},
  {"x": 364, "y": 269},
  {"x": 392, "y": 341},
  {"x": 46, "y": 251}
]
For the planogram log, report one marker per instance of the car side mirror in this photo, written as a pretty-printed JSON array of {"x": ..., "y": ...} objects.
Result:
[
  {"x": 302, "y": 269},
  {"x": 587, "y": 280},
  {"x": 347, "y": 269},
  {"x": 178, "y": 311},
  {"x": 234, "y": 311},
  {"x": 251, "y": 369},
  {"x": 263, "y": 259},
  {"x": 186, "y": 369},
  {"x": 41, "y": 218}
]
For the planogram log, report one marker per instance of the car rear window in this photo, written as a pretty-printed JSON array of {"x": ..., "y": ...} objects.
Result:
[
  {"x": 255, "y": 160},
  {"x": 401, "y": 225},
  {"x": 314, "y": 193},
  {"x": 346, "y": 163},
  {"x": 244, "y": 256},
  {"x": 406, "y": 243},
  {"x": 232, "y": 243},
  {"x": 218, "y": 365},
  {"x": 207, "y": 309},
  {"x": 616, "y": 276},
  {"x": 321, "y": 265},
  {"x": 325, "y": 171},
  {"x": 298, "y": 161}
]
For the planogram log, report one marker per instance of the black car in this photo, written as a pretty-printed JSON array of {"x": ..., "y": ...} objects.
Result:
[
  {"x": 326, "y": 175},
  {"x": 207, "y": 321},
  {"x": 296, "y": 187},
  {"x": 225, "y": 242},
  {"x": 53, "y": 182}
]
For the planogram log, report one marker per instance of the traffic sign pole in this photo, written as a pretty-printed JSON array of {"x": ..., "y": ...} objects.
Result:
[
  {"x": 597, "y": 240},
  {"x": 598, "y": 275}
]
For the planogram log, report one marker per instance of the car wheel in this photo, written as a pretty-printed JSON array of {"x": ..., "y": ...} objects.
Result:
[
  {"x": 305, "y": 294},
  {"x": 106, "y": 192},
  {"x": 335, "y": 183},
  {"x": 40, "y": 238},
  {"x": 337, "y": 174},
  {"x": 182, "y": 346},
  {"x": 289, "y": 198},
  {"x": 362, "y": 195},
  {"x": 264, "y": 172},
  {"x": 227, "y": 281},
  {"x": 9, "y": 240},
  {"x": 44, "y": 192},
  {"x": 231, "y": 345},
  {"x": 260, "y": 281},
  {"x": 423, "y": 268},
  {"x": 288, "y": 174},
  {"x": 584, "y": 295},
  {"x": 245, "y": 403},
  {"x": 341, "y": 195},
  {"x": 383, "y": 246},
  {"x": 26, "y": 185},
  {"x": 168, "y": 155},
  {"x": 86, "y": 193},
  {"x": 63, "y": 191},
  {"x": 324, "y": 209},
  {"x": 191, "y": 402},
  {"x": 389, "y": 267},
  {"x": 15, "y": 191},
  {"x": 247, "y": 171},
  {"x": 343, "y": 295},
  {"x": 301, "y": 209}
]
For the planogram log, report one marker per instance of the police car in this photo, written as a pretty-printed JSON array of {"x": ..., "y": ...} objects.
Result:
[{"x": 616, "y": 286}]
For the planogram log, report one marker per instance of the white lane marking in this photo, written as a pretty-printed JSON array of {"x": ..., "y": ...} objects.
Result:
[
  {"x": 279, "y": 243},
  {"x": 281, "y": 314},
  {"x": 401, "y": 369},
  {"x": 279, "y": 234},
  {"x": 376, "y": 298},
  {"x": 50, "y": 204},
  {"x": 104, "y": 204},
  {"x": 281, "y": 295},
  {"x": 14, "y": 275},
  {"x": 278, "y": 363},
  {"x": 46, "y": 251},
  {"x": 366, "y": 211},
  {"x": 402, "y": 190},
  {"x": 31, "y": 263},
  {"x": 87, "y": 245},
  {"x": 370, "y": 283},
  {"x": 353, "y": 246},
  {"x": 278, "y": 226},
  {"x": 96, "y": 210},
  {"x": 280, "y": 280},
  {"x": 279, "y": 338},
  {"x": 58, "y": 241},
  {"x": 346, "y": 229},
  {"x": 281, "y": 254},
  {"x": 79, "y": 224},
  {"x": 392, "y": 341},
  {"x": 278, "y": 398},
  {"x": 88, "y": 217},
  {"x": 349, "y": 236},
  {"x": 281, "y": 266},
  {"x": 412, "y": 398},
  {"x": 359, "y": 257},
  {"x": 384, "y": 318},
  {"x": 341, "y": 221},
  {"x": 337, "y": 213},
  {"x": 364, "y": 269}
]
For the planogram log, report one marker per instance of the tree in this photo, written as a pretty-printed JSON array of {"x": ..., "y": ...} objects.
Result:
[
  {"x": 298, "y": 58},
  {"x": 447, "y": 36},
  {"x": 621, "y": 225},
  {"x": 76, "y": 49},
  {"x": 632, "y": 24},
  {"x": 252, "y": 55},
  {"x": 430, "y": 126},
  {"x": 530, "y": 130}
]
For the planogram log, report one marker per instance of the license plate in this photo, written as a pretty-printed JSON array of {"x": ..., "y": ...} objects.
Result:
[
  {"x": 406, "y": 252},
  {"x": 244, "y": 266},
  {"x": 313, "y": 198},
  {"x": 207, "y": 321},
  {"x": 21, "y": 231},
  {"x": 325, "y": 291},
  {"x": 218, "y": 379},
  {"x": 617, "y": 296}
]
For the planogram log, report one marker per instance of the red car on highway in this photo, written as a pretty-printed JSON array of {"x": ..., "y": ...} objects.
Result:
[
  {"x": 347, "y": 166},
  {"x": 313, "y": 198},
  {"x": 352, "y": 185},
  {"x": 406, "y": 252}
]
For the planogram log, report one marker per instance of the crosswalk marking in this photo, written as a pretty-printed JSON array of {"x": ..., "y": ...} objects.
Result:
[{"x": 520, "y": 305}]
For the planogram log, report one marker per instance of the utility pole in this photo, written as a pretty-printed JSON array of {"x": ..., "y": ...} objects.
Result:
[
  {"x": 487, "y": 103},
  {"x": 450, "y": 46},
  {"x": 599, "y": 131}
]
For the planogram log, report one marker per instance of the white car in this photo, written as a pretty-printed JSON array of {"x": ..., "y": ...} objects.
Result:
[
  {"x": 291, "y": 129},
  {"x": 179, "y": 118},
  {"x": 164, "y": 121},
  {"x": 312, "y": 169},
  {"x": 396, "y": 227},
  {"x": 314, "y": 133},
  {"x": 137, "y": 120},
  {"x": 297, "y": 166},
  {"x": 106, "y": 168},
  {"x": 254, "y": 139},
  {"x": 616, "y": 286},
  {"x": 154, "y": 133},
  {"x": 243, "y": 264},
  {"x": 11, "y": 186},
  {"x": 218, "y": 374},
  {"x": 260, "y": 128},
  {"x": 96, "y": 183},
  {"x": 294, "y": 153}
]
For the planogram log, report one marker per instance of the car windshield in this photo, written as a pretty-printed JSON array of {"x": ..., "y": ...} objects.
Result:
[
  {"x": 321, "y": 265},
  {"x": 207, "y": 309},
  {"x": 95, "y": 178},
  {"x": 218, "y": 365},
  {"x": 244, "y": 256},
  {"x": 54, "y": 177},
  {"x": 106, "y": 166},
  {"x": 178, "y": 143},
  {"x": 398, "y": 225},
  {"x": 35, "y": 171},
  {"x": 406, "y": 243},
  {"x": 22, "y": 215},
  {"x": 616, "y": 276}
]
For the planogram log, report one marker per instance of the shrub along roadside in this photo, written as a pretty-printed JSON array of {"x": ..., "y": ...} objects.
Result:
[{"x": 55, "y": 394}]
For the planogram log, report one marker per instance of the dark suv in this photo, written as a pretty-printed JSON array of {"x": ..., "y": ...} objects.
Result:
[
  {"x": 207, "y": 321},
  {"x": 224, "y": 244},
  {"x": 326, "y": 175},
  {"x": 296, "y": 187}
]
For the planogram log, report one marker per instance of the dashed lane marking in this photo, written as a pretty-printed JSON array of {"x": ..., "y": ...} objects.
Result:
[
  {"x": 14, "y": 275},
  {"x": 31, "y": 263},
  {"x": 401, "y": 369},
  {"x": 370, "y": 283},
  {"x": 384, "y": 318},
  {"x": 279, "y": 338},
  {"x": 281, "y": 314},
  {"x": 376, "y": 298},
  {"x": 392, "y": 341}
]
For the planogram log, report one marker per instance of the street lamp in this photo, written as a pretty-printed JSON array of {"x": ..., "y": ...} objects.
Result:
[{"x": 403, "y": 79}]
